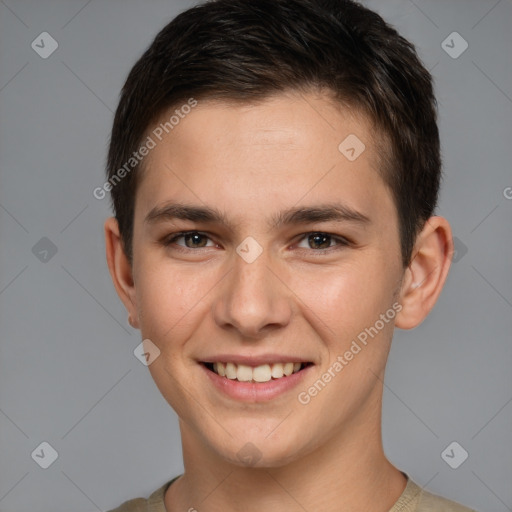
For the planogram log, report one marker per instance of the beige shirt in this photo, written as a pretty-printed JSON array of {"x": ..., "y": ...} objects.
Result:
[{"x": 412, "y": 499}]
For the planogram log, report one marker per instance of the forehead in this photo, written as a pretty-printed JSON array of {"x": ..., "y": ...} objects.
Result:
[
  {"x": 287, "y": 149},
  {"x": 290, "y": 120}
]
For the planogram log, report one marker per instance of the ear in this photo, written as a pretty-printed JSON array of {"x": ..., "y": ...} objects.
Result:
[
  {"x": 425, "y": 276},
  {"x": 120, "y": 269}
]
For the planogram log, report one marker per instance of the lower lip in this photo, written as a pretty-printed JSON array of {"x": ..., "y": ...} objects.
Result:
[{"x": 256, "y": 391}]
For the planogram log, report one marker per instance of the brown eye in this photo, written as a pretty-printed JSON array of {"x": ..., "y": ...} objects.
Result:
[
  {"x": 319, "y": 241},
  {"x": 191, "y": 240}
]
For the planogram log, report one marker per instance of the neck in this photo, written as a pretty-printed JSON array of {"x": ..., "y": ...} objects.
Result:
[{"x": 349, "y": 471}]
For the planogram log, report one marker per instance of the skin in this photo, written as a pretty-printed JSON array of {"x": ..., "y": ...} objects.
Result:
[{"x": 300, "y": 297}]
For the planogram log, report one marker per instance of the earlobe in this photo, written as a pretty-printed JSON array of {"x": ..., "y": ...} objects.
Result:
[
  {"x": 426, "y": 274},
  {"x": 120, "y": 270}
]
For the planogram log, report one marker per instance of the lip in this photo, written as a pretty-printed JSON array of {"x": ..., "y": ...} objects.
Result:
[{"x": 255, "y": 391}]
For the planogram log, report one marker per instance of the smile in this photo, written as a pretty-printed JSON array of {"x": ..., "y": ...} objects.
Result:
[{"x": 261, "y": 373}]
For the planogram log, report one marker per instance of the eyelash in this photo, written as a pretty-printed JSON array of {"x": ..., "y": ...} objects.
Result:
[{"x": 341, "y": 241}]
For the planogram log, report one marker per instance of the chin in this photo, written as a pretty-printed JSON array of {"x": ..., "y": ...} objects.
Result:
[{"x": 258, "y": 451}]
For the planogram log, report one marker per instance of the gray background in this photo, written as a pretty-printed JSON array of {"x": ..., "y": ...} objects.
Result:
[{"x": 68, "y": 375}]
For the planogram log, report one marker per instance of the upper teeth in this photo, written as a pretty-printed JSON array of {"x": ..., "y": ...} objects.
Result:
[{"x": 262, "y": 373}]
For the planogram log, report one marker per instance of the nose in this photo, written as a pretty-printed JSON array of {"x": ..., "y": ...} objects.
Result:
[{"x": 253, "y": 299}]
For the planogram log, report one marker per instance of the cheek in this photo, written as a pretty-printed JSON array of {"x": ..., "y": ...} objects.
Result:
[
  {"x": 168, "y": 299},
  {"x": 345, "y": 299}
]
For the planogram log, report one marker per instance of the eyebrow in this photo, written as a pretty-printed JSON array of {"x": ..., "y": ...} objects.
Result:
[{"x": 297, "y": 215}]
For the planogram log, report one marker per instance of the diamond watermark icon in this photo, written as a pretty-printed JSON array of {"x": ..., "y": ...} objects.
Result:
[
  {"x": 249, "y": 454},
  {"x": 44, "y": 45},
  {"x": 454, "y": 45},
  {"x": 249, "y": 250},
  {"x": 454, "y": 455},
  {"x": 460, "y": 249},
  {"x": 351, "y": 147},
  {"x": 45, "y": 455},
  {"x": 44, "y": 250},
  {"x": 146, "y": 352}
]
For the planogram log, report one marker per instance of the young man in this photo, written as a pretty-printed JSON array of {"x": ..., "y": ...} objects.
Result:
[{"x": 274, "y": 166}]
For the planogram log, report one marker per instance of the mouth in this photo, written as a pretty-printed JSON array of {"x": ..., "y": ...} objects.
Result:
[{"x": 255, "y": 374}]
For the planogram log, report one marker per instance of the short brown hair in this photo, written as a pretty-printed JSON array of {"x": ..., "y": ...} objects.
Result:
[{"x": 246, "y": 50}]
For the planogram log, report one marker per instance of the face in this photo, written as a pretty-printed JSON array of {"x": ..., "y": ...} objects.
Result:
[{"x": 258, "y": 242}]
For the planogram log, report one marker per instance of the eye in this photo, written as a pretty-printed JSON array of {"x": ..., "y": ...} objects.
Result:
[
  {"x": 319, "y": 240},
  {"x": 191, "y": 239}
]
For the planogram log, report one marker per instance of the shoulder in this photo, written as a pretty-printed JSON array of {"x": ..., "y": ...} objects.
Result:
[
  {"x": 155, "y": 502},
  {"x": 426, "y": 501},
  {"x": 430, "y": 502}
]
